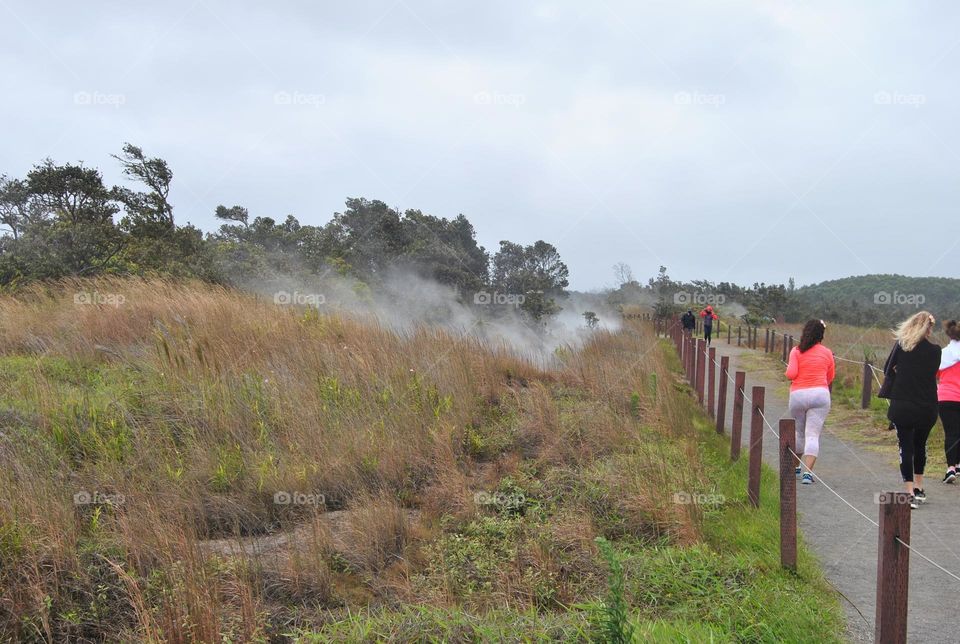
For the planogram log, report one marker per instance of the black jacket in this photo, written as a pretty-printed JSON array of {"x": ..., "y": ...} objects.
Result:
[{"x": 916, "y": 379}]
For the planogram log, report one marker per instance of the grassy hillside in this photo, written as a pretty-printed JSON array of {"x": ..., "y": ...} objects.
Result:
[
  {"x": 185, "y": 463},
  {"x": 880, "y": 300}
]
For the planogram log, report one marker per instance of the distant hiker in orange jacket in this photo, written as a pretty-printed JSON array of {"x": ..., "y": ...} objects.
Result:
[{"x": 708, "y": 317}]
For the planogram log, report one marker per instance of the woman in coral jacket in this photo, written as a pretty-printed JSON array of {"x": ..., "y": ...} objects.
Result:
[
  {"x": 948, "y": 396},
  {"x": 811, "y": 370}
]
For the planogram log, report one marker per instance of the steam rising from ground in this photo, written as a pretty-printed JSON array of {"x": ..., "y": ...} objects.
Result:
[{"x": 405, "y": 301}]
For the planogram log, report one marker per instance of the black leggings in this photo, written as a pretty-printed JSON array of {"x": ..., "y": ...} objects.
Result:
[
  {"x": 707, "y": 330},
  {"x": 913, "y": 423},
  {"x": 950, "y": 417}
]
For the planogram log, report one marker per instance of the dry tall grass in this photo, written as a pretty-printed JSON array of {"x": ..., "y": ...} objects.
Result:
[{"x": 341, "y": 459}]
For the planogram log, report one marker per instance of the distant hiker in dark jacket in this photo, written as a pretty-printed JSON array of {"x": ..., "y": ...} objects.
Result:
[
  {"x": 689, "y": 321},
  {"x": 708, "y": 317},
  {"x": 914, "y": 363}
]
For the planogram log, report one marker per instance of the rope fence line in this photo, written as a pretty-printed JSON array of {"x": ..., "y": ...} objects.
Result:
[
  {"x": 894, "y": 524},
  {"x": 828, "y": 487},
  {"x": 802, "y": 464}
]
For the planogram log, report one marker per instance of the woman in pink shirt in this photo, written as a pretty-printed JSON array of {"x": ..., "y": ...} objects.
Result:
[
  {"x": 811, "y": 370},
  {"x": 948, "y": 396}
]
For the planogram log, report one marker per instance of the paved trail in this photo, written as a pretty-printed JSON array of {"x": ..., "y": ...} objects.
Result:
[{"x": 844, "y": 541}]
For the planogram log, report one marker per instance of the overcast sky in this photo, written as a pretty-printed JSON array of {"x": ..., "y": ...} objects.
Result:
[{"x": 741, "y": 140}]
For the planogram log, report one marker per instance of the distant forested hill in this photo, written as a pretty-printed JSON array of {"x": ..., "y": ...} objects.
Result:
[{"x": 880, "y": 300}]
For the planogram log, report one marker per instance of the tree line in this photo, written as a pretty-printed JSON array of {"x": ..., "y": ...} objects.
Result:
[
  {"x": 62, "y": 220},
  {"x": 865, "y": 300}
]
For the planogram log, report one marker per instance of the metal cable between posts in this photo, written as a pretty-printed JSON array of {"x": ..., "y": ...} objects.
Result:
[
  {"x": 926, "y": 558},
  {"x": 873, "y": 370},
  {"x": 795, "y": 456},
  {"x": 825, "y": 484}
]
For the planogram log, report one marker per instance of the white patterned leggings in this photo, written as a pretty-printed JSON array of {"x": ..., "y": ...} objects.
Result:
[{"x": 809, "y": 407}]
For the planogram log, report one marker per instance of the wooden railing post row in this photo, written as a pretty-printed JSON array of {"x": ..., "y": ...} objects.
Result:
[
  {"x": 867, "y": 390},
  {"x": 692, "y": 354},
  {"x": 788, "y": 494},
  {"x": 756, "y": 445},
  {"x": 722, "y": 392},
  {"x": 893, "y": 568},
  {"x": 711, "y": 382},
  {"x": 736, "y": 422},
  {"x": 701, "y": 368}
]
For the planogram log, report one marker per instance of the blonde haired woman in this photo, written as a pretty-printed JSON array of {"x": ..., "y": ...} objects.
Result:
[{"x": 913, "y": 363}]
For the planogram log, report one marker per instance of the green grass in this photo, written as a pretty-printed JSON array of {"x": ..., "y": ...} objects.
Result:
[{"x": 728, "y": 588}]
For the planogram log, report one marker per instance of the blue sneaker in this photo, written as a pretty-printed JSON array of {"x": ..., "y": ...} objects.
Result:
[{"x": 807, "y": 478}]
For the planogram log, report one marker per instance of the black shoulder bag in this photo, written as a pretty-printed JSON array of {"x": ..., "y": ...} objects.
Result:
[{"x": 889, "y": 372}]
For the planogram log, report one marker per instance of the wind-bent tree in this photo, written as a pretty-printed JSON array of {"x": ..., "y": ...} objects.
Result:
[{"x": 153, "y": 205}]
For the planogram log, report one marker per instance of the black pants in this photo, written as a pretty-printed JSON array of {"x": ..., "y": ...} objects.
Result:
[
  {"x": 950, "y": 417},
  {"x": 913, "y": 423},
  {"x": 707, "y": 330}
]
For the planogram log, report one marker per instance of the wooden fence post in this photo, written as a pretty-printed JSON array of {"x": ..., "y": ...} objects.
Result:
[
  {"x": 728, "y": 334},
  {"x": 893, "y": 568},
  {"x": 738, "y": 336},
  {"x": 682, "y": 349},
  {"x": 736, "y": 423},
  {"x": 722, "y": 393},
  {"x": 756, "y": 446},
  {"x": 766, "y": 341},
  {"x": 712, "y": 382},
  {"x": 867, "y": 385},
  {"x": 701, "y": 368},
  {"x": 788, "y": 494},
  {"x": 784, "y": 347}
]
